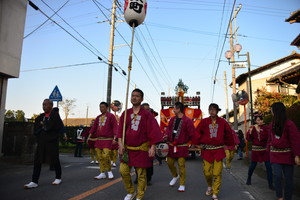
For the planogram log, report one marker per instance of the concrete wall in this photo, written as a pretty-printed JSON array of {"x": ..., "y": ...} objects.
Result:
[{"x": 12, "y": 22}]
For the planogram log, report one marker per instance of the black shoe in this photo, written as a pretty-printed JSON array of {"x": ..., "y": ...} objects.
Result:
[
  {"x": 149, "y": 183},
  {"x": 271, "y": 187},
  {"x": 240, "y": 158},
  {"x": 248, "y": 181}
]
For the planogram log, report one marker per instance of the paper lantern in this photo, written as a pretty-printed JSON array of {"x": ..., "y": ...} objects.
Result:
[{"x": 135, "y": 12}]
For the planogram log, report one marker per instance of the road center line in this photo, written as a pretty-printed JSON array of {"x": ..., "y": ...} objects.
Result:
[
  {"x": 101, "y": 187},
  {"x": 97, "y": 189}
]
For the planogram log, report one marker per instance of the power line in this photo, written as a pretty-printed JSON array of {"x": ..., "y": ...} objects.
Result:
[
  {"x": 38, "y": 9},
  {"x": 63, "y": 66},
  {"x": 74, "y": 30},
  {"x": 128, "y": 45},
  {"x": 46, "y": 20},
  {"x": 217, "y": 49},
  {"x": 148, "y": 61},
  {"x": 223, "y": 48},
  {"x": 164, "y": 67},
  {"x": 152, "y": 66}
]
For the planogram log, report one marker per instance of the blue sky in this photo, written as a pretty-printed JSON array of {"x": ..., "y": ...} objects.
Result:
[{"x": 179, "y": 39}]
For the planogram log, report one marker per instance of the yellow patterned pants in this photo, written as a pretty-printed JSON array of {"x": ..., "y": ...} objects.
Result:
[
  {"x": 181, "y": 166},
  {"x": 142, "y": 179},
  {"x": 213, "y": 175},
  {"x": 93, "y": 154},
  {"x": 113, "y": 155},
  {"x": 229, "y": 157},
  {"x": 104, "y": 159}
]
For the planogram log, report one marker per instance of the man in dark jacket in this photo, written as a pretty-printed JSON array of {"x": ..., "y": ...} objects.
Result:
[
  {"x": 79, "y": 140},
  {"x": 47, "y": 127}
]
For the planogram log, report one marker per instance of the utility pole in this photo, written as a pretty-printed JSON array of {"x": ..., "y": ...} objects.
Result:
[
  {"x": 226, "y": 96},
  {"x": 87, "y": 116},
  {"x": 232, "y": 67},
  {"x": 111, "y": 53},
  {"x": 250, "y": 87}
]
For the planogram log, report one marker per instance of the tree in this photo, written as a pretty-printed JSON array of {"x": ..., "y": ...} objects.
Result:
[
  {"x": 67, "y": 105},
  {"x": 11, "y": 115},
  {"x": 265, "y": 99},
  {"x": 34, "y": 116},
  {"x": 20, "y": 115}
]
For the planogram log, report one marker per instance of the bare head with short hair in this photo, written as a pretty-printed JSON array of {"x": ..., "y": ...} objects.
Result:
[{"x": 47, "y": 105}]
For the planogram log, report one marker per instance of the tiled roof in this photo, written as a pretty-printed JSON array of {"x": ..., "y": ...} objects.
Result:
[{"x": 78, "y": 121}]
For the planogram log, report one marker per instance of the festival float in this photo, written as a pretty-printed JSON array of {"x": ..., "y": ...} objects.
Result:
[{"x": 191, "y": 103}]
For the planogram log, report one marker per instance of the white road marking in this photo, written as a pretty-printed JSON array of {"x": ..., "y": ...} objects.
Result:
[{"x": 249, "y": 195}]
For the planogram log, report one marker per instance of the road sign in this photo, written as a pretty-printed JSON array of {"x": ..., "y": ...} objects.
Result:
[
  {"x": 239, "y": 65},
  {"x": 55, "y": 95}
]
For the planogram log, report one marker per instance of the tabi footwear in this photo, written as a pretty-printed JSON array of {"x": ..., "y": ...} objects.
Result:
[
  {"x": 31, "y": 185},
  {"x": 181, "y": 188},
  {"x": 208, "y": 191},
  {"x": 130, "y": 196},
  {"x": 100, "y": 176},
  {"x": 110, "y": 175},
  {"x": 56, "y": 182},
  {"x": 173, "y": 181}
]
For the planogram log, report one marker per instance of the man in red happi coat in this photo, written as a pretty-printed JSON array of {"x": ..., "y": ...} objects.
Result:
[
  {"x": 212, "y": 134},
  {"x": 105, "y": 128},
  {"x": 179, "y": 134},
  {"x": 141, "y": 135}
]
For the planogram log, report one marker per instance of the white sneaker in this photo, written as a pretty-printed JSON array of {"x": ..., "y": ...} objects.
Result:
[
  {"x": 92, "y": 162},
  {"x": 110, "y": 175},
  {"x": 56, "y": 182},
  {"x": 31, "y": 185},
  {"x": 100, "y": 176},
  {"x": 129, "y": 196},
  {"x": 181, "y": 188},
  {"x": 114, "y": 164},
  {"x": 173, "y": 181},
  {"x": 97, "y": 162}
]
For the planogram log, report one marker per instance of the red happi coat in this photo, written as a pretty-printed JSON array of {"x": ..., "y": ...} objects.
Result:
[
  {"x": 290, "y": 139},
  {"x": 217, "y": 136},
  {"x": 259, "y": 139},
  {"x": 108, "y": 129},
  {"x": 236, "y": 142},
  {"x": 139, "y": 129},
  {"x": 185, "y": 135}
]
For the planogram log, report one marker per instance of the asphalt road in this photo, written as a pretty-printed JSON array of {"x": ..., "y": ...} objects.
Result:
[{"x": 78, "y": 183}]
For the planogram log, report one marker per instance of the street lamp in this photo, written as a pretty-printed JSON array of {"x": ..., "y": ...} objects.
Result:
[{"x": 228, "y": 55}]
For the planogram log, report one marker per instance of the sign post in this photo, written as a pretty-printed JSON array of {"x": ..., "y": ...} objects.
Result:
[{"x": 55, "y": 95}]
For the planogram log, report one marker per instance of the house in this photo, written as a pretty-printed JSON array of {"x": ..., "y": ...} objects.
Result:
[
  {"x": 295, "y": 18},
  {"x": 78, "y": 121},
  {"x": 280, "y": 76}
]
